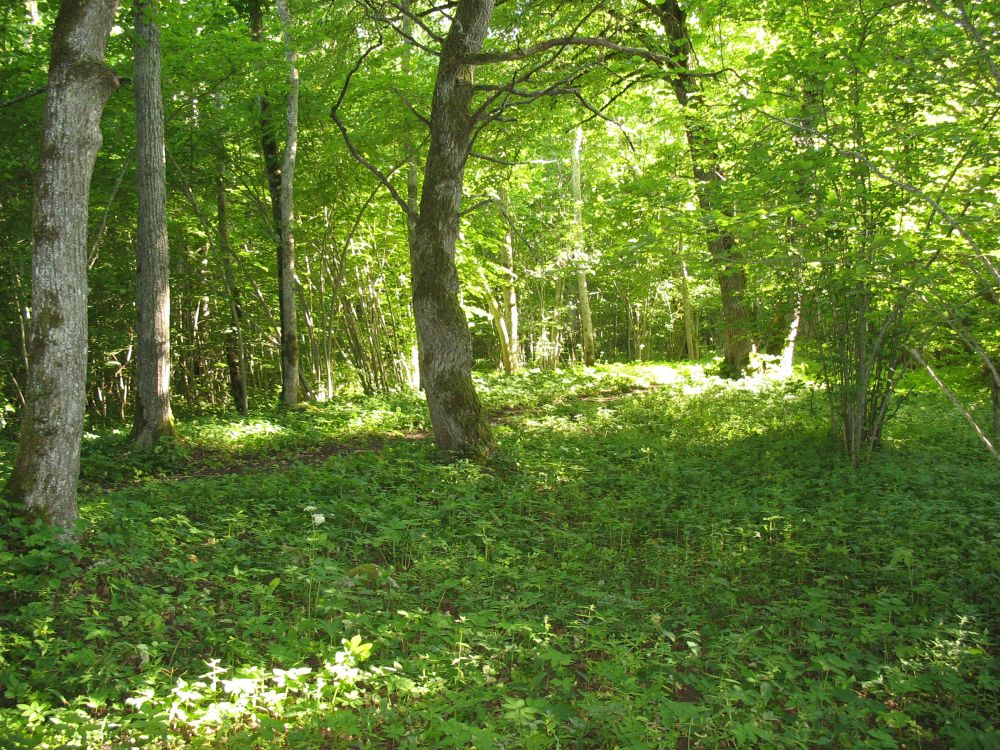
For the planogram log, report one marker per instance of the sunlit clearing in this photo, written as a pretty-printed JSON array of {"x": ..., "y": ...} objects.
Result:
[
  {"x": 663, "y": 374},
  {"x": 235, "y": 432}
]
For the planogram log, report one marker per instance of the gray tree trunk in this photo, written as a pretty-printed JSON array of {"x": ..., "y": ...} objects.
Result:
[
  {"x": 153, "y": 418},
  {"x": 579, "y": 252},
  {"x": 457, "y": 416},
  {"x": 48, "y": 458},
  {"x": 286, "y": 254},
  {"x": 709, "y": 186}
]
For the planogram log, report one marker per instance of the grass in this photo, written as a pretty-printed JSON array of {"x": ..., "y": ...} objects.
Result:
[{"x": 691, "y": 565}]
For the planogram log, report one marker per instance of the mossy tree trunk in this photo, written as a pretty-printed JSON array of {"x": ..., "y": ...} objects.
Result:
[
  {"x": 48, "y": 459},
  {"x": 457, "y": 416},
  {"x": 153, "y": 418}
]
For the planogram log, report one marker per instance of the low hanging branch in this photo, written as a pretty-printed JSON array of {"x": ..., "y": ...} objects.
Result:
[
  {"x": 954, "y": 400},
  {"x": 351, "y": 147}
]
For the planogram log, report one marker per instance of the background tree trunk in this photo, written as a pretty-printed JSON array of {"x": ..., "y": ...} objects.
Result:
[
  {"x": 579, "y": 252},
  {"x": 235, "y": 345},
  {"x": 286, "y": 251},
  {"x": 442, "y": 332},
  {"x": 709, "y": 180},
  {"x": 48, "y": 459},
  {"x": 153, "y": 418},
  {"x": 272, "y": 170},
  {"x": 511, "y": 311}
]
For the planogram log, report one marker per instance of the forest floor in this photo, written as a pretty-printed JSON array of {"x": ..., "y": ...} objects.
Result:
[{"x": 654, "y": 558}]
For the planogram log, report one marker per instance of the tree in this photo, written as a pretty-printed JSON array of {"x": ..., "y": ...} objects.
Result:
[
  {"x": 153, "y": 418},
  {"x": 279, "y": 187},
  {"x": 48, "y": 459},
  {"x": 443, "y": 336},
  {"x": 286, "y": 252},
  {"x": 710, "y": 187},
  {"x": 586, "y": 324}
]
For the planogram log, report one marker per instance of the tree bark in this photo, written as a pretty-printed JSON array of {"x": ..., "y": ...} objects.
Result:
[
  {"x": 710, "y": 188},
  {"x": 579, "y": 251},
  {"x": 457, "y": 416},
  {"x": 153, "y": 418},
  {"x": 286, "y": 251},
  {"x": 48, "y": 459},
  {"x": 273, "y": 172}
]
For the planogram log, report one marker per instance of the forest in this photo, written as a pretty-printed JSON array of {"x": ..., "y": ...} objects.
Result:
[{"x": 500, "y": 374}]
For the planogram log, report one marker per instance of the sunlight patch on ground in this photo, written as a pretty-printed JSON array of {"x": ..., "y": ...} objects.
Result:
[{"x": 237, "y": 431}]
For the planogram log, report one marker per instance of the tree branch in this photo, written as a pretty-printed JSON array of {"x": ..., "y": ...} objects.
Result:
[
  {"x": 954, "y": 400},
  {"x": 489, "y": 58},
  {"x": 904, "y": 186},
  {"x": 355, "y": 154}
]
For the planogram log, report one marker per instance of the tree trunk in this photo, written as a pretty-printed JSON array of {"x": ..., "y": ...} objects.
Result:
[
  {"x": 272, "y": 169},
  {"x": 48, "y": 459},
  {"x": 286, "y": 251},
  {"x": 235, "y": 345},
  {"x": 511, "y": 311},
  {"x": 153, "y": 418},
  {"x": 579, "y": 251},
  {"x": 690, "y": 333},
  {"x": 709, "y": 186},
  {"x": 499, "y": 321},
  {"x": 457, "y": 416}
]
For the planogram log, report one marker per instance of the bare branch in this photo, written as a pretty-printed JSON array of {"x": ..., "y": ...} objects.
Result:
[
  {"x": 417, "y": 18},
  {"x": 476, "y": 206},
  {"x": 409, "y": 105},
  {"x": 350, "y": 74},
  {"x": 22, "y": 97},
  {"x": 355, "y": 153},
  {"x": 360, "y": 159}
]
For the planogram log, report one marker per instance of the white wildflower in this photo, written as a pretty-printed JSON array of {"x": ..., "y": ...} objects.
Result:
[{"x": 318, "y": 518}]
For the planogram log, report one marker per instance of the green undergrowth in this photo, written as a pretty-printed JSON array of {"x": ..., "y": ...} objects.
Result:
[
  {"x": 227, "y": 442},
  {"x": 654, "y": 558}
]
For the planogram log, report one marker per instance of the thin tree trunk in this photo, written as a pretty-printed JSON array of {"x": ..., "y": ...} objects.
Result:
[
  {"x": 579, "y": 251},
  {"x": 511, "y": 311},
  {"x": 48, "y": 458},
  {"x": 235, "y": 345},
  {"x": 709, "y": 186},
  {"x": 286, "y": 253},
  {"x": 272, "y": 170},
  {"x": 457, "y": 416},
  {"x": 788, "y": 351},
  {"x": 153, "y": 418},
  {"x": 557, "y": 331},
  {"x": 499, "y": 325},
  {"x": 690, "y": 333}
]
